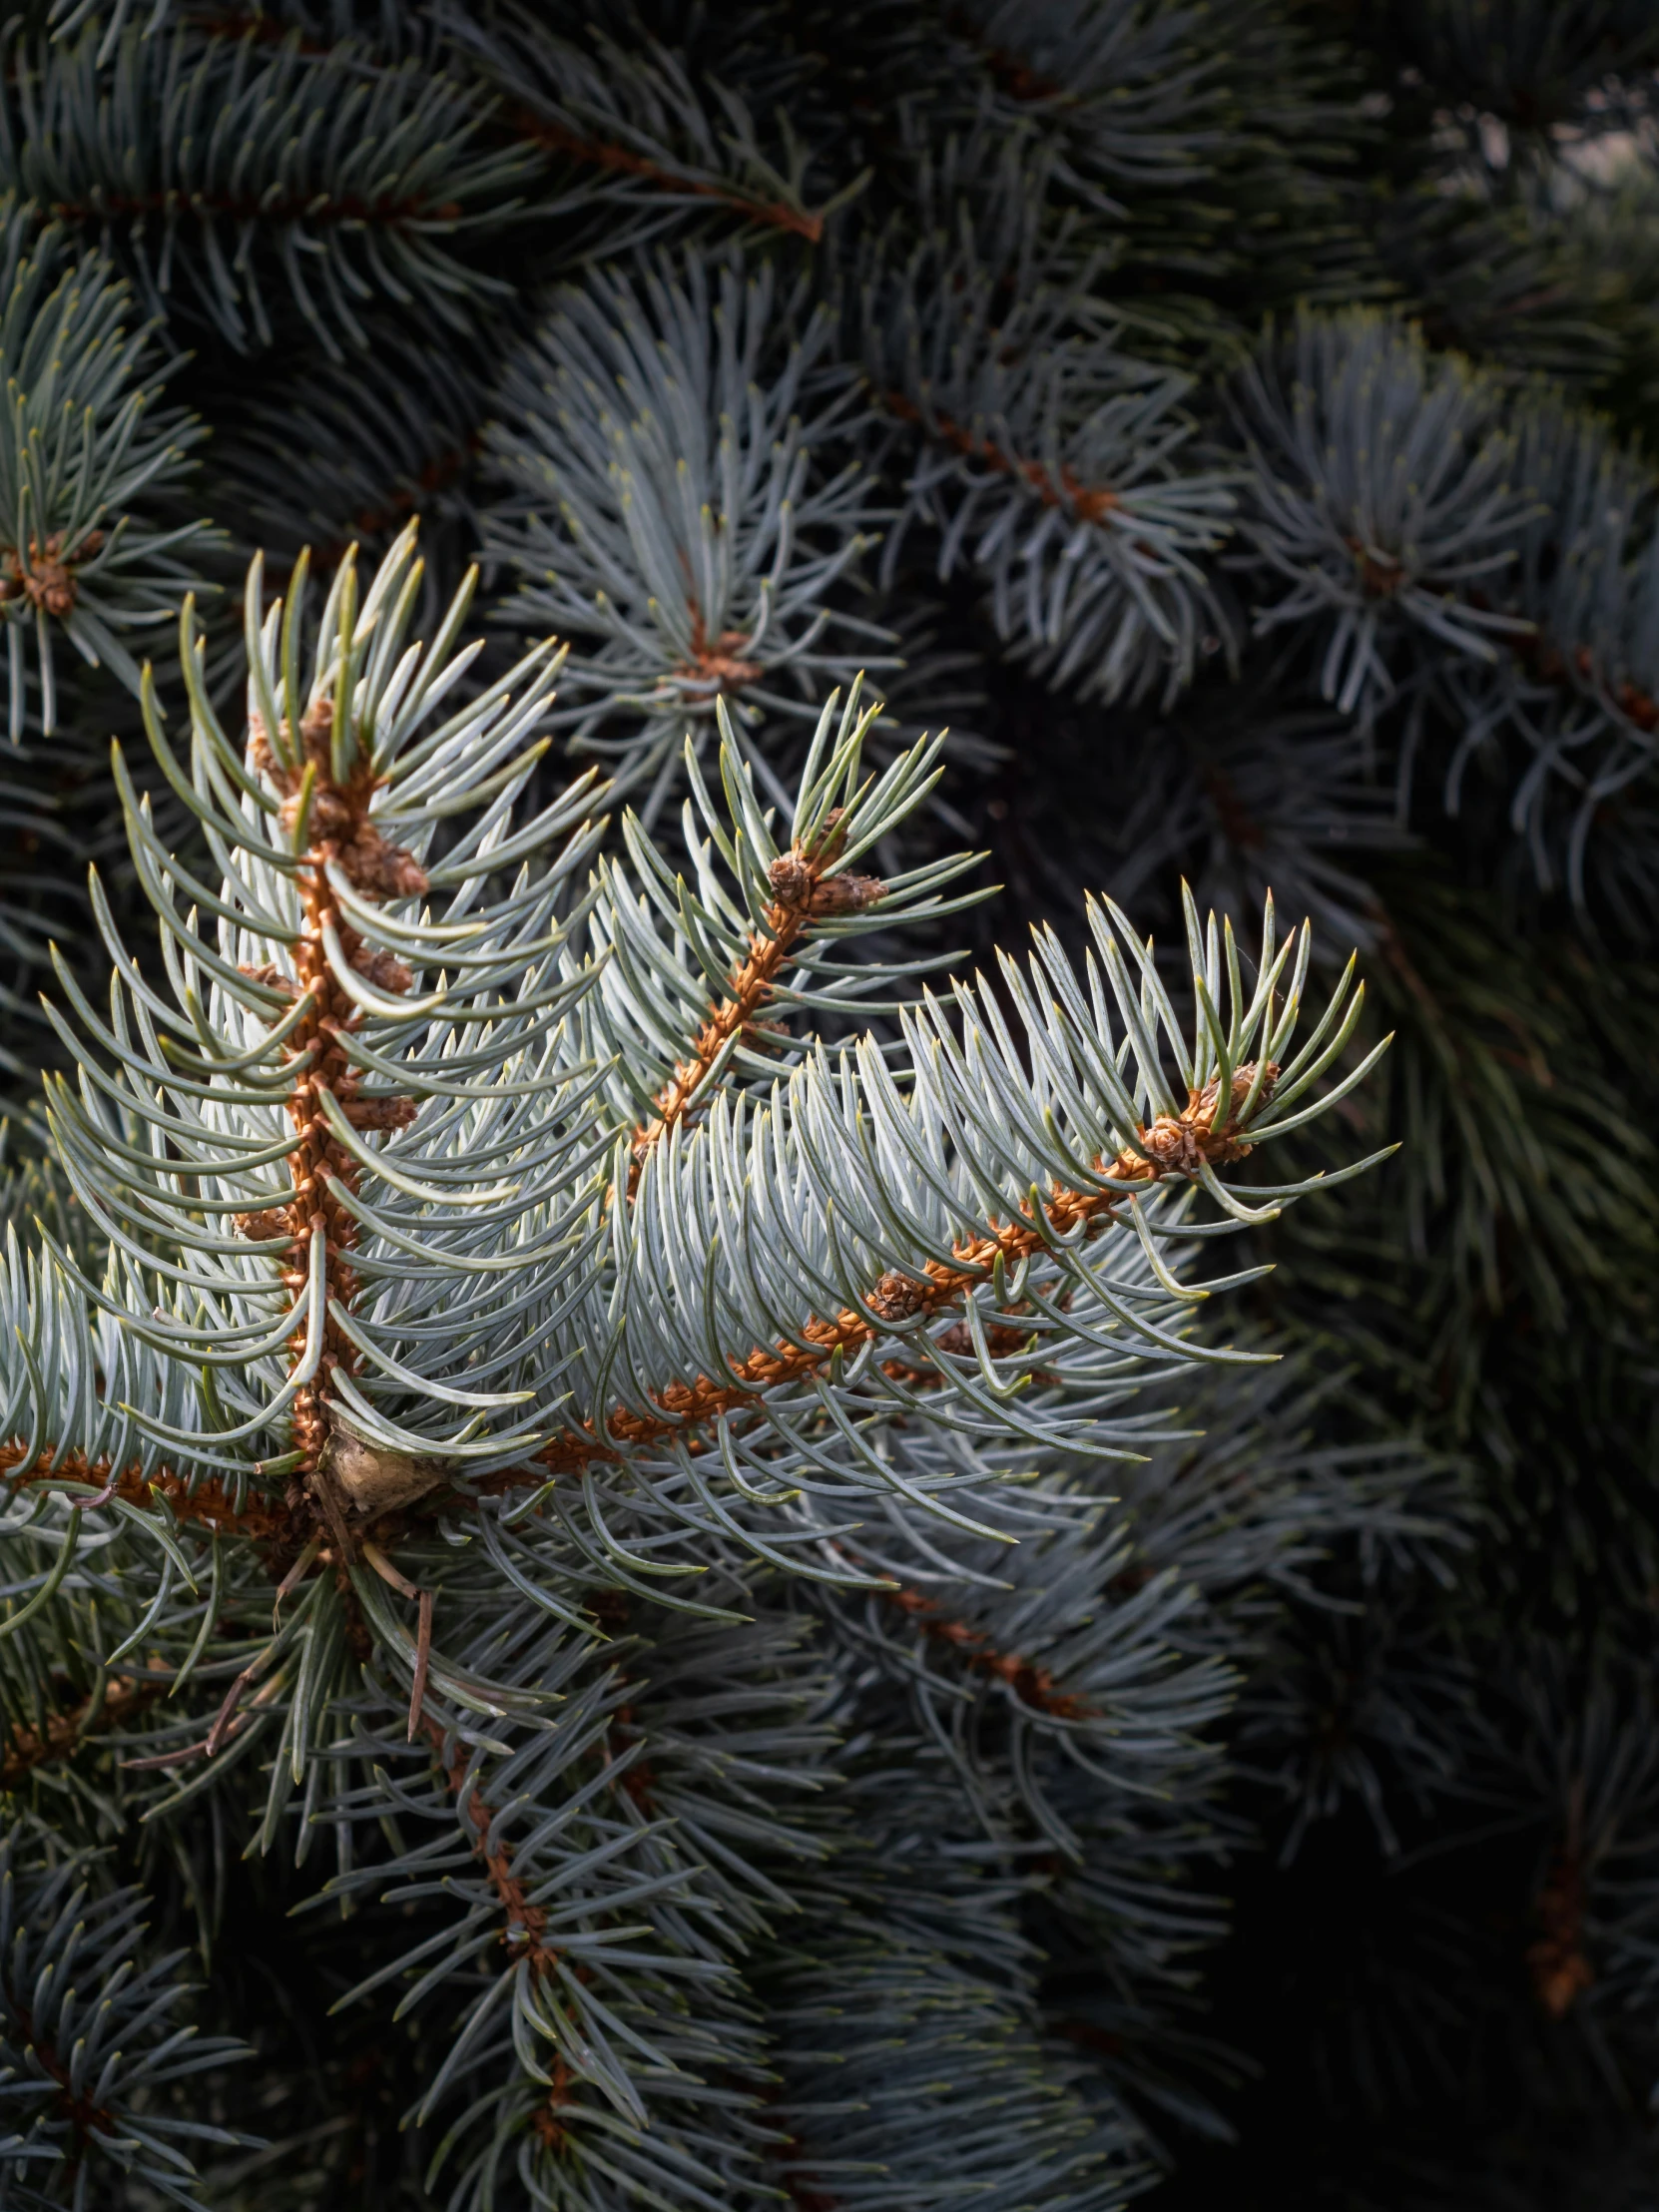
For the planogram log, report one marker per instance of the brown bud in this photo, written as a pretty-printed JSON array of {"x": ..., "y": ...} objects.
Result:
[
  {"x": 896, "y": 1297},
  {"x": 791, "y": 881},
  {"x": 328, "y": 816},
  {"x": 1001, "y": 1340},
  {"x": 1200, "y": 1108},
  {"x": 1173, "y": 1146},
  {"x": 380, "y": 1113},
  {"x": 49, "y": 582},
  {"x": 270, "y": 1222},
  {"x": 316, "y": 731},
  {"x": 383, "y": 969},
  {"x": 847, "y": 894},
  {"x": 831, "y": 836},
  {"x": 379, "y": 869},
  {"x": 372, "y": 1480}
]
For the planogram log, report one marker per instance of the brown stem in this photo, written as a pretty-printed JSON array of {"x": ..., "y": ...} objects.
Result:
[
  {"x": 803, "y": 891},
  {"x": 1175, "y": 1144},
  {"x": 342, "y": 833},
  {"x": 623, "y": 161},
  {"x": 207, "y": 1501},
  {"x": 1031, "y": 1684},
  {"x": 1560, "y": 1969},
  {"x": 1088, "y": 503},
  {"x": 547, "y": 2119},
  {"x": 526, "y": 1926}
]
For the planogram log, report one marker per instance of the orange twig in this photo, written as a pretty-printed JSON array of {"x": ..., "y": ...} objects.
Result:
[
  {"x": 803, "y": 891},
  {"x": 623, "y": 161},
  {"x": 1088, "y": 503},
  {"x": 526, "y": 1922},
  {"x": 1031, "y": 1684},
  {"x": 1175, "y": 1144},
  {"x": 207, "y": 1501}
]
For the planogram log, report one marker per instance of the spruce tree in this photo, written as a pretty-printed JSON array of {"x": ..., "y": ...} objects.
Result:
[{"x": 711, "y": 710}]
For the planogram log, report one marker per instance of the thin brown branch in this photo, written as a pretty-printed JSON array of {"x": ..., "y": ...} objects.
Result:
[
  {"x": 526, "y": 1929},
  {"x": 623, "y": 161},
  {"x": 803, "y": 891},
  {"x": 1204, "y": 1133},
  {"x": 1031, "y": 1684},
  {"x": 1090, "y": 503},
  {"x": 206, "y": 1502},
  {"x": 1558, "y": 1961},
  {"x": 341, "y": 832},
  {"x": 548, "y": 2118}
]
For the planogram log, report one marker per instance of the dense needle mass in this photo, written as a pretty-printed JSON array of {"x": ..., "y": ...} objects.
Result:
[{"x": 663, "y": 1539}]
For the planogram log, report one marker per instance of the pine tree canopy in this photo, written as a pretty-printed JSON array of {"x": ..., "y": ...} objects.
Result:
[{"x": 828, "y": 861}]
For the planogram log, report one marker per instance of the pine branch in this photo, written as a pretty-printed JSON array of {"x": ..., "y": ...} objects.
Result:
[
  {"x": 1049, "y": 461},
  {"x": 375, "y": 1292},
  {"x": 659, "y": 136},
  {"x": 670, "y": 423},
  {"x": 88, "y": 2028},
  {"x": 341, "y": 970},
  {"x": 94, "y": 542},
  {"x": 330, "y": 818},
  {"x": 671, "y": 1031},
  {"x": 805, "y": 888},
  {"x": 241, "y": 167},
  {"x": 1385, "y": 503},
  {"x": 1576, "y": 698},
  {"x": 621, "y": 1898},
  {"x": 1202, "y": 1136}
]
